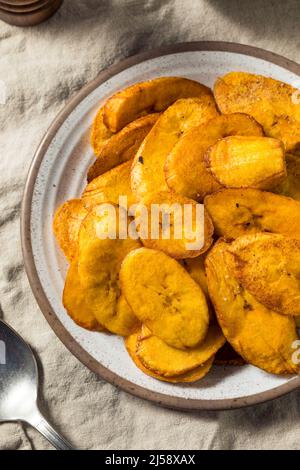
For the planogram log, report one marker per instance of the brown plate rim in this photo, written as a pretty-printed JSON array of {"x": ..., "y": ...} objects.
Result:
[{"x": 37, "y": 289}]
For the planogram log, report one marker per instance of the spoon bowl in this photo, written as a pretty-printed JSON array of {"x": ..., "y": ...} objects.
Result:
[{"x": 19, "y": 386}]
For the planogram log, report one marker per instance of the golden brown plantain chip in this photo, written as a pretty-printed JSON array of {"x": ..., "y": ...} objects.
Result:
[
  {"x": 247, "y": 162},
  {"x": 174, "y": 235},
  {"x": 185, "y": 167},
  {"x": 100, "y": 229},
  {"x": 74, "y": 301},
  {"x": 189, "y": 377},
  {"x": 268, "y": 266},
  {"x": 195, "y": 268},
  {"x": 148, "y": 165},
  {"x": 237, "y": 212},
  {"x": 98, "y": 268},
  {"x": 151, "y": 96},
  {"x": 124, "y": 322},
  {"x": 167, "y": 361},
  {"x": 274, "y": 104},
  {"x": 291, "y": 185},
  {"x": 100, "y": 134},
  {"x": 164, "y": 297},
  {"x": 122, "y": 146},
  {"x": 109, "y": 187},
  {"x": 261, "y": 336},
  {"x": 66, "y": 225}
]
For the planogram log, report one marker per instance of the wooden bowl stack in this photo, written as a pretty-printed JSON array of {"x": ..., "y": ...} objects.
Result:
[{"x": 27, "y": 12}]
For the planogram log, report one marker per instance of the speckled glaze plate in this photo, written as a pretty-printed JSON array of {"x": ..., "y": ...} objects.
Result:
[{"x": 58, "y": 172}]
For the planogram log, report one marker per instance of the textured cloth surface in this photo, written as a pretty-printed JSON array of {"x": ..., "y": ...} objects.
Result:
[{"x": 41, "y": 68}]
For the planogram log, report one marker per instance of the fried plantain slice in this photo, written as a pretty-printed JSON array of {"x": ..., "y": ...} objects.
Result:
[
  {"x": 196, "y": 269},
  {"x": 247, "y": 162},
  {"x": 291, "y": 185},
  {"x": 237, "y": 212},
  {"x": 100, "y": 134},
  {"x": 189, "y": 377},
  {"x": 168, "y": 227},
  {"x": 164, "y": 297},
  {"x": 99, "y": 264},
  {"x": 185, "y": 167},
  {"x": 261, "y": 336},
  {"x": 274, "y": 104},
  {"x": 148, "y": 165},
  {"x": 66, "y": 225},
  {"x": 109, "y": 187},
  {"x": 167, "y": 361},
  {"x": 75, "y": 303},
  {"x": 151, "y": 96},
  {"x": 124, "y": 323},
  {"x": 100, "y": 229},
  {"x": 122, "y": 146},
  {"x": 268, "y": 266}
]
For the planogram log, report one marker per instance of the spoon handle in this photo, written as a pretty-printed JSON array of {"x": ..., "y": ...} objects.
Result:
[{"x": 41, "y": 424}]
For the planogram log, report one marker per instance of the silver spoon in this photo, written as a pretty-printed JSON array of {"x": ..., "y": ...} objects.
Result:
[{"x": 19, "y": 386}]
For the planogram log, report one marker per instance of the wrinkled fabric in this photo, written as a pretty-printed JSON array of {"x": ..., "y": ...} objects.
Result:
[{"x": 41, "y": 68}]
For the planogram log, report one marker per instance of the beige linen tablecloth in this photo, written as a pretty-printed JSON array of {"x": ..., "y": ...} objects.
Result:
[{"x": 41, "y": 68}]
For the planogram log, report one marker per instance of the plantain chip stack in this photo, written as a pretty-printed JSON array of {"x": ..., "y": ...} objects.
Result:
[{"x": 233, "y": 297}]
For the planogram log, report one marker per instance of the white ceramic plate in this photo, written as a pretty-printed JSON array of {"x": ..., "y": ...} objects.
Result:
[{"x": 58, "y": 173}]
